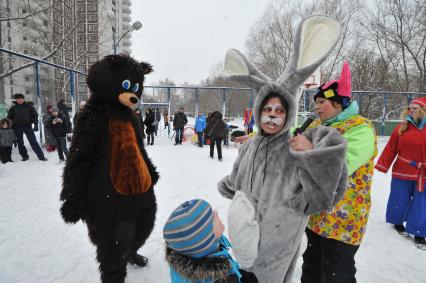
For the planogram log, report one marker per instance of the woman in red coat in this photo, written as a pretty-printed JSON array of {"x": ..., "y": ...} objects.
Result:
[{"x": 407, "y": 199}]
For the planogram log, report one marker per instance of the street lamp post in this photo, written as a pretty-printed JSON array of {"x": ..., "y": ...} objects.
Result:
[{"x": 137, "y": 25}]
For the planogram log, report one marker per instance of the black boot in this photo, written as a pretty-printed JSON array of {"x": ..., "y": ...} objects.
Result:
[
  {"x": 400, "y": 229},
  {"x": 25, "y": 158},
  {"x": 138, "y": 260},
  {"x": 420, "y": 243}
]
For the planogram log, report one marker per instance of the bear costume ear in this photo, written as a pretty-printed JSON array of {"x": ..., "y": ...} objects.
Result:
[{"x": 146, "y": 67}]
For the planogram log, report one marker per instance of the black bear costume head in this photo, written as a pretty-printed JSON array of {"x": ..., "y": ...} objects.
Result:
[{"x": 117, "y": 80}]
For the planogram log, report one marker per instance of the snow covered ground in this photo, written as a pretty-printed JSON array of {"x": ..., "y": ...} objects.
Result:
[{"x": 36, "y": 245}]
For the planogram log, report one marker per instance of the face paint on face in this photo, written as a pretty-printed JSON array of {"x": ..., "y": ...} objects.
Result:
[
  {"x": 276, "y": 121},
  {"x": 273, "y": 116}
]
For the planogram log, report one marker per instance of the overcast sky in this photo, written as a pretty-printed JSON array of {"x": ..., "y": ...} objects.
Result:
[{"x": 184, "y": 39}]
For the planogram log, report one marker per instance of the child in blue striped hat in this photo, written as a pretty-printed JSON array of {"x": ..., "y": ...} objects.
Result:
[{"x": 197, "y": 250}]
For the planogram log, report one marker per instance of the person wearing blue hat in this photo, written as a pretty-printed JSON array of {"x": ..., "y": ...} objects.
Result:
[{"x": 196, "y": 249}]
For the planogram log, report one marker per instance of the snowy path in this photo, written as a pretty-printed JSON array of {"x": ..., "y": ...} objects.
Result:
[{"x": 36, "y": 246}]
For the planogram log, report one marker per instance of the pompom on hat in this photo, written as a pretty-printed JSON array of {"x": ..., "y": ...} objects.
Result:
[
  {"x": 189, "y": 229},
  {"x": 338, "y": 90},
  {"x": 419, "y": 101}
]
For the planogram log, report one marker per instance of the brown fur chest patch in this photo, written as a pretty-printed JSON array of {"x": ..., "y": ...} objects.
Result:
[{"x": 128, "y": 170}]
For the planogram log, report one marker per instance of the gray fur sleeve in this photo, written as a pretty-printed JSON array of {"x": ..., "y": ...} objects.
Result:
[
  {"x": 322, "y": 172},
  {"x": 226, "y": 186}
]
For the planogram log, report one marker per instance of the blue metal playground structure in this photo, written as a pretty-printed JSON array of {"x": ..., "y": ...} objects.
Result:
[{"x": 379, "y": 106}]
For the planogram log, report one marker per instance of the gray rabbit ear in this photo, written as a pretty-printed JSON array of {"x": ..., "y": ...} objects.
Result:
[
  {"x": 238, "y": 68},
  {"x": 315, "y": 37}
]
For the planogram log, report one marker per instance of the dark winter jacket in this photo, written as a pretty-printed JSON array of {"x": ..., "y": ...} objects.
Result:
[
  {"x": 60, "y": 128},
  {"x": 47, "y": 130},
  {"x": 22, "y": 114},
  {"x": 7, "y": 137},
  {"x": 141, "y": 125},
  {"x": 149, "y": 121},
  {"x": 65, "y": 112},
  {"x": 179, "y": 120},
  {"x": 88, "y": 192},
  {"x": 216, "y": 128}
]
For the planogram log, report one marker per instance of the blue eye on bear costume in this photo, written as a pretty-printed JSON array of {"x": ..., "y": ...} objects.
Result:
[
  {"x": 135, "y": 87},
  {"x": 126, "y": 84}
]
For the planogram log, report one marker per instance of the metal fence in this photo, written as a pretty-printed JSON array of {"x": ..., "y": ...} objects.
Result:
[{"x": 382, "y": 108}]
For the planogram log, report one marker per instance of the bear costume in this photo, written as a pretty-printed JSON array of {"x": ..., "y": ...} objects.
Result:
[{"x": 108, "y": 178}]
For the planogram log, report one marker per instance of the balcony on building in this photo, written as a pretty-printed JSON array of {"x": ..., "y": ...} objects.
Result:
[
  {"x": 127, "y": 2},
  {"x": 126, "y": 9},
  {"x": 126, "y": 18}
]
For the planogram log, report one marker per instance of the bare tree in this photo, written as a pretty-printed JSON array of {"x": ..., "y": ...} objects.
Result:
[
  {"x": 270, "y": 40},
  {"x": 398, "y": 29}
]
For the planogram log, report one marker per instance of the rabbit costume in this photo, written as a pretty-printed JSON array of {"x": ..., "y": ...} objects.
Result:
[{"x": 274, "y": 188}]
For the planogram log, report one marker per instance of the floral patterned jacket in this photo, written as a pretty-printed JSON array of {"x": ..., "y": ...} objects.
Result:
[{"x": 347, "y": 221}]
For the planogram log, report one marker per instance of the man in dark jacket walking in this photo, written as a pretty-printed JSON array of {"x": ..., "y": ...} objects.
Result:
[
  {"x": 179, "y": 123},
  {"x": 23, "y": 115},
  {"x": 58, "y": 125}
]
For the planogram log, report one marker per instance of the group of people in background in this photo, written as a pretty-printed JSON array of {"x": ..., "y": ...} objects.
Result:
[
  {"x": 335, "y": 234},
  {"x": 22, "y": 119}
]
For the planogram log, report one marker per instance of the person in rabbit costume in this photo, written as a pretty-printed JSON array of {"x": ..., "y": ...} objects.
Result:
[{"x": 278, "y": 181}]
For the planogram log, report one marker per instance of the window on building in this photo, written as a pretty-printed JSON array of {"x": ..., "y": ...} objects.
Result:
[
  {"x": 81, "y": 39},
  {"x": 81, "y": 8},
  {"x": 45, "y": 23},
  {"x": 81, "y": 27},
  {"x": 9, "y": 39},
  {"x": 24, "y": 11},
  {"x": 8, "y": 24},
  {"x": 93, "y": 18},
  {"x": 27, "y": 91},
  {"x": 11, "y": 81},
  {"x": 93, "y": 48},
  {"x": 92, "y": 28},
  {"x": 27, "y": 78},
  {"x": 25, "y": 51},
  {"x": 93, "y": 59},
  {"x": 93, "y": 38},
  {"x": 24, "y": 38},
  {"x": 24, "y": 23},
  {"x": 92, "y": 7},
  {"x": 81, "y": 48}
]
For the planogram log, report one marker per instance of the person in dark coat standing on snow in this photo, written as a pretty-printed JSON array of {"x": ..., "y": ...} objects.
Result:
[
  {"x": 7, "y": 138},
  {"x": 23, "y": 115},
  {"x": 407, "y": 199},
  {"x": 216, "y": 131},
  {"x": 57, "y": 124},
  {"x": 179, "y": 123},
  {"x": 48, "y": 137},
  {"x": 150, "y": 126},
  {"x": 141, "y": 125},
  {"x": 64, "y": 109}
]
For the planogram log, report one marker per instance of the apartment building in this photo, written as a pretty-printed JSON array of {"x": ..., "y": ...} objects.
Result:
[{"x": 76, "y": 32}]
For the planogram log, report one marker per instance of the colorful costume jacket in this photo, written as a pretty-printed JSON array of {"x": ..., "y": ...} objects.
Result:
[{"x": 347, "y": 221}]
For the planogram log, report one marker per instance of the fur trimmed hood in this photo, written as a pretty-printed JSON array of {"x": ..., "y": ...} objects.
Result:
[{"x": 199, "y": 269}]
